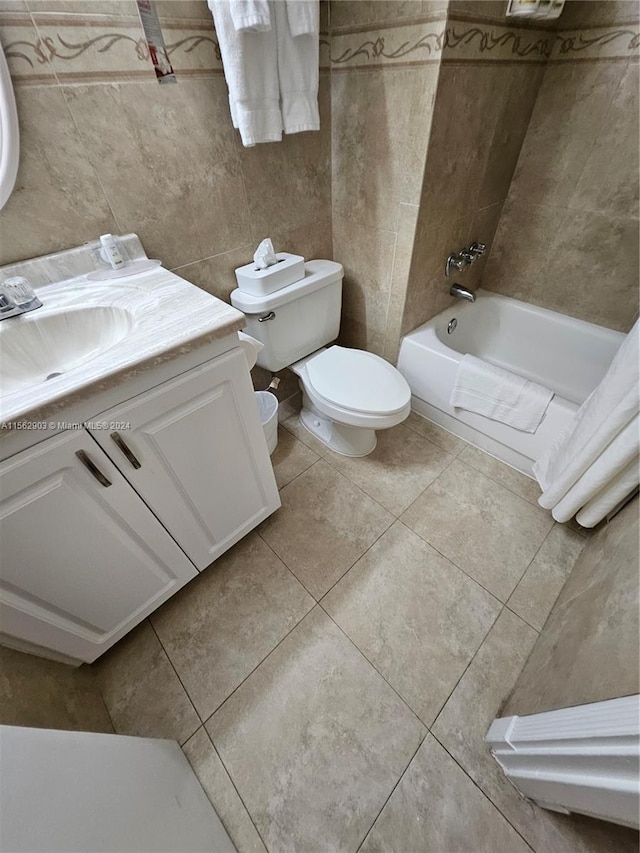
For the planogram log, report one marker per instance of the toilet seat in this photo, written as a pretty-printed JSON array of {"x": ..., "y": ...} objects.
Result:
[{"x": 357, "y": 381}]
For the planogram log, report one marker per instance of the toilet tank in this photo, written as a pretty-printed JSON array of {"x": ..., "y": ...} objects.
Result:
[{"x": 297, "y": 319}]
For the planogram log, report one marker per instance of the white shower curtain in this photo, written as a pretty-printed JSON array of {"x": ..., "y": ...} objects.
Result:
[{"x": 595, "y": 463}]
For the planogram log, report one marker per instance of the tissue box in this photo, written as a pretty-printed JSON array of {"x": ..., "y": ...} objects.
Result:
[{"x": 289, "y": 269}]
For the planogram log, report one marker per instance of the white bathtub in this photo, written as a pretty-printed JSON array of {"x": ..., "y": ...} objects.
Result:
[{"x": 567, "y": 355}]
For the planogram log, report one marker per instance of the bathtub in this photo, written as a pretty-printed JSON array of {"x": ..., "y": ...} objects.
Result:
[{"x": 564, "y": 354}]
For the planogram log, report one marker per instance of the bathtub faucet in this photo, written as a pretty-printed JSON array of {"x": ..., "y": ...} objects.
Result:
[{"x": 461, "y": 292}]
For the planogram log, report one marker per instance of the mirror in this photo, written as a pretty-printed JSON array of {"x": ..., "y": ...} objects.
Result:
[{"x": 9, "y": 133}]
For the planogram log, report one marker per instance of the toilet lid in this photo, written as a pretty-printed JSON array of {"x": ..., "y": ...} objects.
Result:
[{"x": 358, "y": 380}]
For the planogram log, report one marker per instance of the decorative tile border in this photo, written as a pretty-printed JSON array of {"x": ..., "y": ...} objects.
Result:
[
  {"x": 601, "y": 43},
  {"x": 67, "y": 49},
  {"x": 475, "y": 41},
  {"x": 103, "y": 49}
]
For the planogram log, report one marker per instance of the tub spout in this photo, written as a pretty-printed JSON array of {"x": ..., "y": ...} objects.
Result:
[{"x": 461, "y": 292}]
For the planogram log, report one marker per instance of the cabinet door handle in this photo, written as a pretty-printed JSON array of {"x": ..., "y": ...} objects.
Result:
[
  {"x": 128, "y": 452},
  {"x": 91, "y": 465}
]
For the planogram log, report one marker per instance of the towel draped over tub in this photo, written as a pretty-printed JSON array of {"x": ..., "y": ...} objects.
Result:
[{"x": 594, "y": 464}]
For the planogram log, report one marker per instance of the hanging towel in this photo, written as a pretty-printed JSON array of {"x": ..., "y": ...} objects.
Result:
[
  {"x": 298, "y": 70},
  {"x": 251, "y": 71},
  {"x": 303, "y": 17},
  {"x": 250, "y": 15},
  {"x": 500, "y": 395},
  {"x": 593, "y": 464}
]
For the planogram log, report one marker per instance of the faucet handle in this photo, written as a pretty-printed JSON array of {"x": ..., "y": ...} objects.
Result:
[
  {"x": 477, "y": 249},
  {"x": 18, "y": 290}
]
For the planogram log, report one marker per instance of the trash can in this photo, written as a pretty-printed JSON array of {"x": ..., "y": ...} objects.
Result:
[{"x": 268, "y": 411}]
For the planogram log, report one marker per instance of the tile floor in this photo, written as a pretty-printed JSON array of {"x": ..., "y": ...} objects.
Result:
[{"x": 331, "y": 678}]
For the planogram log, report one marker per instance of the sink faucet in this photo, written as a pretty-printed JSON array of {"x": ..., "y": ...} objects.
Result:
[
  {"x": 461, "y": 292},
  {"x": 17, "y": 297}
]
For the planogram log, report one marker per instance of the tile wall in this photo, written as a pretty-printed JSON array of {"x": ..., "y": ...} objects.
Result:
[{"x": 104, "y": 147}]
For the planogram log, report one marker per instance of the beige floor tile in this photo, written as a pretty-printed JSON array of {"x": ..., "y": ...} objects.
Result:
[
  {"x": 486, "y": 530},
  {"x": 142, "y": 692},
  {"x": 437, "y": 808},
  {"x": 324, "y": 525},
  {"x": 414, "y": 615},
  {"x": 315, "y": 741},
  {"x": 463, "y": 723},
  {"x": 504, "y": 474},
  {"x": 399, "y": 469},
  {"x": 220, "y": 626},
  {"x": 290, "y": 458},
  {"x": 426, "y": 428},
  {"x": 224, "y": 798},
  {"x": 536, "y": 593},
  {"x": 44, "y": 694}
]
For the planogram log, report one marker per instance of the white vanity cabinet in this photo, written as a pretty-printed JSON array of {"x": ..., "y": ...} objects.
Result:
[
  {"x": 100, "y": 525},
  {"x": 195, "y": 452},
  {"x": 81, "y": 562}
]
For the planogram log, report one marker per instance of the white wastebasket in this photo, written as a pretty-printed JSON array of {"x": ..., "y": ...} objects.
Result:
[{"x": 268, "y": 411}]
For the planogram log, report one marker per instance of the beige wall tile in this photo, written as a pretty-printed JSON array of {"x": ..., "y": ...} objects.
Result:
[
  {"x": 182, "y": 191},
  {"x": 572, "y": 106},
  {"x": 407, "y": 224},
  {"x": 367, "y": 257},
  {"x": 57, "y": 201},
  {"x": 588, "y": 650},
  {"x": 348, "y": 13},
  {"x": 49, "y": 695},
  {"x": 315, "y": 740},
  {"x": 609, "y": 184},
  {"x": 587, "y": 13},
  {"x": 288, "y": 182},
  {"x": 380, "y": 130},
  {"x": 592, "y": 270}
]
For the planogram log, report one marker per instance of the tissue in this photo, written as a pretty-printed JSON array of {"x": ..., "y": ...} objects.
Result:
[{"x": 265, "y": 255}]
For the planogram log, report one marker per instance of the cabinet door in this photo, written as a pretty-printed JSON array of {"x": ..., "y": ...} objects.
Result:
[
  {"x": 204, "y": 467},
  {"x": 80, "y": 562}
]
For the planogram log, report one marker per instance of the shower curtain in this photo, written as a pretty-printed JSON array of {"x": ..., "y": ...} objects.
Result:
[{"x": 594, "y": 464}]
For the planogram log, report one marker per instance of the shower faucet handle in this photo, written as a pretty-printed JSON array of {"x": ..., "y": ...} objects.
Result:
[{"x": 477, "y": 249}]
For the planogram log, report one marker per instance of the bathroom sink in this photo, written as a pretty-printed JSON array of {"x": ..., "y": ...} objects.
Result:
[
  {"x": 39, "y": 347},
  {"x": 89, "y": 335}
]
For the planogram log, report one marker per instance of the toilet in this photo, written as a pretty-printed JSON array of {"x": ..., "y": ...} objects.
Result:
[{"x": 347, "y": 394}]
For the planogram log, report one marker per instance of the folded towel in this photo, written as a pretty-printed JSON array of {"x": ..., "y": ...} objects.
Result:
[
  {"x": 250, "y": 15},
  {"x": 500, "y": 395},
  {"x": 303, "y": 17},
  {"x": 298, "y": 64},
  {"x": 251, "y": 70}
]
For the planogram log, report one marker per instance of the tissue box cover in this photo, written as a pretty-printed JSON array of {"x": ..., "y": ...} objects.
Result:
[{"x": 289, "y": 269}]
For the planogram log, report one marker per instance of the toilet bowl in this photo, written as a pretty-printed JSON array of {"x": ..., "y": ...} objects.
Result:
[{"x": 348, "y": 394}]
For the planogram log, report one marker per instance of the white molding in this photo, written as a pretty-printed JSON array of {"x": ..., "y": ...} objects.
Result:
[{"x": 584, "y": 759}]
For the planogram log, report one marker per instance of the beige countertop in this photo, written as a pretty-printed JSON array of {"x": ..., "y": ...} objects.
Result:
[{"x": 167, "y": 317}]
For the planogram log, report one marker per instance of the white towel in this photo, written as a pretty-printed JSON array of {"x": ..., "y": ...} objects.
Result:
[
  {"x": 251, "y": 70},
  {"x": 298, "y": 69},
  {"x": 500, "y": 395},
  {"x": 250, "y": 15},
  {"x": 303, "y": 17}
]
